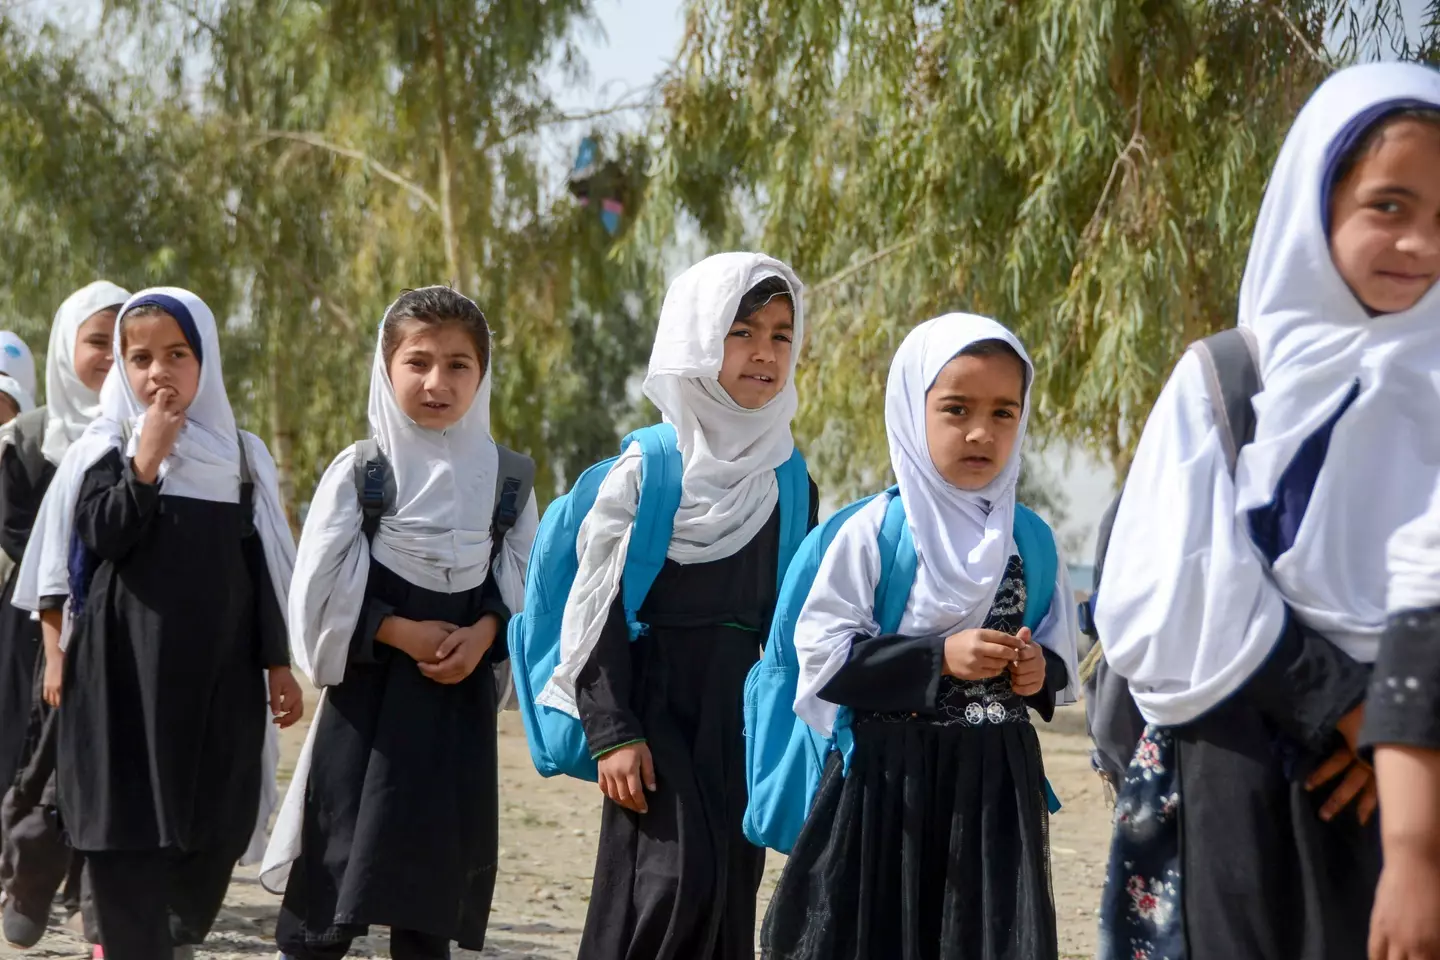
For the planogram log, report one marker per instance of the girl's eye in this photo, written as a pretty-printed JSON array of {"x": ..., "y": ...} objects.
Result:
[
  {"x": 740, "y": 332},
  {"x": 1386, "y": 206},
  {"x": 956, "y": 411},
  {"x": 459, "y": 365},
  {"x": 783, "y": 337},
  {"x": 1005, "y": 414}
]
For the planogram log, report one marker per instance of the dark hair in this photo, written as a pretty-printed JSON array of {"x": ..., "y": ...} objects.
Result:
[
  {"x": 146, "y": 309},
  {"x": 761, "y": 294},
  {"x": 435, "y": 306},
  {"x": 1372, "y": 135},
  {"x": 994, "y": 347}
]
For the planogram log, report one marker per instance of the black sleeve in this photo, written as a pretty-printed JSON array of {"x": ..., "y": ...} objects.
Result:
[
  {"x": 367, "y": 625},
  {"x": 18, "y": 504},
  {"x": 492, "y": 604},
  {"x": 814, "y": 520},
  {"x": 272, "y": 640},
  {"x": 889, "y": 674},
  {"x": 114, "y": 508},
  {"x": 1056, "y": 679},
  {"x": 602, "y": 690},
  {"x": 1403, "y": 707},
  {"x": 1306, "y": 685}
]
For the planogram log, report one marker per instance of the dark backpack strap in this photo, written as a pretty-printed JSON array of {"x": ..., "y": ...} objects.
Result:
[
  {"x": 374, "y": 485},
  {"x": 1232, "y": 375},
  {"x": 514, "y": 481},
  {"x": 247, "y": 489}
]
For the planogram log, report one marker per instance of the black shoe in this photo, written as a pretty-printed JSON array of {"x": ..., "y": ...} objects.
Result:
[{"x": 21, "y": 930}]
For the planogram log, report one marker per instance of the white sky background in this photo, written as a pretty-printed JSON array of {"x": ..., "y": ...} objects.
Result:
[{"x": 636, "y": 41}]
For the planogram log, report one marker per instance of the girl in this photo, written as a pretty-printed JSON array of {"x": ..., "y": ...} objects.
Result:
[
  {"x": 393, "y": 815},
  {"x": 75, "y": 366},
  {"x": 933, "y": 844},
  {"x": 17, "y": 377},
  {"x": 79, "y": 357},
  {"x": 675, "y": 877},
  {"x": 1402, "y": 723},
  {"x": 1245, "y": 609},
  {"x": 169, "y": 522}
]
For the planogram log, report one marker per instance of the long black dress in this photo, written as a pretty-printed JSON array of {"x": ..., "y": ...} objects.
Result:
[
  {"x": 401, "y": 822},
  {"x": 935, "y": 845},
  {"x": 20, "y": 496},
  {"x": 163, "y": 725},
  {"x": 679, "y": 882}
]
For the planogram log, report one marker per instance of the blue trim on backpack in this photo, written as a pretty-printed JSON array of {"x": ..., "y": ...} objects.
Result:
[
  {"x": 556, "y": 739},
  {"x": 784, "y": 756}
]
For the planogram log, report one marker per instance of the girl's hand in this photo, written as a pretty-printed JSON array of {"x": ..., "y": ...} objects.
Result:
[
  {"x": 1027, "y": 675},
  {"x": 1358, "y": 784},
  {"x": 623, "y": 770},
  {"x": 54, "y": 673},
  {"x": 1349, "y": 727},
  {"x": 1405, "y": 924},
  {"x": 979, "y": 654},
  {"x": 461, "y": 652},
  {"x": 287, "y": 703},
  {"x": 418, "y": 639},
  {"x": 163, "y": 422}
]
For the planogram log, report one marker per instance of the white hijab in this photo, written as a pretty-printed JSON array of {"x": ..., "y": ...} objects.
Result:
[
  {"x": 69, "y": 404},
  {"x": 963, "y": 538},
  {"x": 1413, "y": 562},
  {"x": 17, "y": 363},
  {"x": 1189, "y": 608},
  {"x": 438, "y": 536},
  {"x": 12, "y": 388},
  {"x": 730, "y": 454}
]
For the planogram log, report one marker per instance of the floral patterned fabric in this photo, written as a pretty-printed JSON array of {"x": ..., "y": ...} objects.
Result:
[{"x": 1140, "y": 908}]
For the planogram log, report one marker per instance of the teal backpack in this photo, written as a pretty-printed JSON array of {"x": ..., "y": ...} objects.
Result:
[{"x": 784, "y": 756}]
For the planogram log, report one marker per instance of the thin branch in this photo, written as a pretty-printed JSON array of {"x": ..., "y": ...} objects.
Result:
[
  {"x": 1136, "y": 144},
  {"x": 1315, "y": 54},
  {"x": 644, "y": 102},
  {"x": 320, "y": 143},
  {"x": 869, "y": 261}
]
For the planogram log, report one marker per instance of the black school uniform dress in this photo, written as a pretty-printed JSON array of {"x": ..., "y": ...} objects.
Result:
[
  {"x": 20, "y": 496},
  {"x": 401, "y": 821},
  {"x": 165, "y": 705},
  {"x": 679, "y": 882},
  {"x": 935, "y": 845},
  {"x": 1403, "y": 707}
]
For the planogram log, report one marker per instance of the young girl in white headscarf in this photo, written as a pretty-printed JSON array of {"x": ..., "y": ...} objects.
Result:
[
  {"x": 675, "y": 878},
  {"x": 1245, "y": 611},
  {"x": 934, "y": 843},
  {"x": 31, "y": 447},
  {"x": 392, "y": 817},
  {"x": 17, "y": 377},
  {"x": 164, "y": 528}
]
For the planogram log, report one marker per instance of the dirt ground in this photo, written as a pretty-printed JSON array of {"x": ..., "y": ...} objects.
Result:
[{"x": 548, "y": 831}]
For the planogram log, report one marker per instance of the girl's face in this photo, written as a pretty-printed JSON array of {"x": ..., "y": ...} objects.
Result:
[
  {"x": 9, "y": 409},
  {"x": 436, "y": 372},
  {"x": 1385, "y": 219},
  {"x": 94, "y": 353},
  {"x": 972, "y": 417},
  {"x": 757, "y": 354},
  {"x": 158, "y": 357}
]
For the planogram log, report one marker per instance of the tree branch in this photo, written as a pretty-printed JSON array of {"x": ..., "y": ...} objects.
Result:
[
  {"x": 1289, "y": 24},
  {"x": 869, "y": 261},
  {"x": 320, "y": 143}
]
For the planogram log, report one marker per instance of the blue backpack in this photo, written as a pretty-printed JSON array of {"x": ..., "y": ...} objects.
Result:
[
  {"x": 784, "y": 756},
  {"x": 557, "y": 740}
]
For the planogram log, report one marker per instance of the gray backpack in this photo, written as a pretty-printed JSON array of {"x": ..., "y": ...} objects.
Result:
[{"x": 1232, "y": 377}]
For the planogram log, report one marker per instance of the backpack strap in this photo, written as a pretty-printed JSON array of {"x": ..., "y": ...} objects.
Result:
[
  {"x": 1035, "y": 542},
  {"x": 374, "y": 485},
  {"x": 793, "y": 477},
  {"x": 661, "y": 471},
  {"x": 514, "y": 481},
  {"x": 247, "y": 488},
  {"x": 898, "y": 565},
  {"x": 1231, "y": 360}
]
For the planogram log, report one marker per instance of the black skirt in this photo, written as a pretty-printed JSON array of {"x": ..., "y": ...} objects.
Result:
[
  {"x": 19, "y": 660},
  {"x": 934, "y": 847},
  {"x": 401, "y": 822}
]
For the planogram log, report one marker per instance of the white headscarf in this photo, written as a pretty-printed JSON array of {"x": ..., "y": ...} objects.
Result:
[
  {"x": 69, "y": 404},
  {"x": 963, "y": 538},
  {"x": 730, "y": 454},
  {"x": 1413, "y": 562},
  {"x": 13, "y": 389},
  {"x": 438, "y": 536},
  {"x": 17, "y": 363},
  {"x": 1189, "y": 608}
]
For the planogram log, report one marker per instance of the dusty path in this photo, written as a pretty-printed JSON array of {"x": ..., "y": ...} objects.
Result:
[{"x": 548, "y": 834}]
